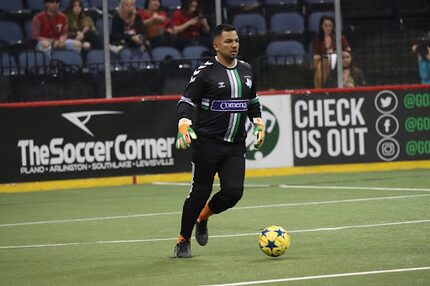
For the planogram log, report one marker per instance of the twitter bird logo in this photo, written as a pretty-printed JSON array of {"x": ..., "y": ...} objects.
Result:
[{"x": 386, "y": 102}]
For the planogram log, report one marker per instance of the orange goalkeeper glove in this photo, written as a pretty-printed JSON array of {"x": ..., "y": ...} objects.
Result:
[
  {"x": 258, "y": 131},
  {"x": 185, "y": 134}
]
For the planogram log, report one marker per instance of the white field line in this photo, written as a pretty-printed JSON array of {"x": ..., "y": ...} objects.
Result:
[
  {"x": 325, "y": 276},
  {"x": 325, "y": 229},
  {"x": 311, "y": 187},
  {"x": 235, "y": 208}
]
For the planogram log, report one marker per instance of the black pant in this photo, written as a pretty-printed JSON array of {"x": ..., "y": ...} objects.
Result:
[{"x": 208, "y": 158}]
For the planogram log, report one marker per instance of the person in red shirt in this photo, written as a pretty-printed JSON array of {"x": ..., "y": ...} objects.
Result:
[
  {"x": 324, "y": 46},
  {"x": 190, "y": 25},
  {"x": 156, "y": 23},
  {"x": 49, "y": 29}
]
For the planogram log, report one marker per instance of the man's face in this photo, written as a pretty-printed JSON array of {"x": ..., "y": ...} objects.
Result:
[
  {"x": 227, "y": 45},
  {"x": 52, "y": 6}
]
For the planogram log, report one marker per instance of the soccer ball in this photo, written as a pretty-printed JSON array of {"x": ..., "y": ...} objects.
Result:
[{"x": 274, "y": 241}]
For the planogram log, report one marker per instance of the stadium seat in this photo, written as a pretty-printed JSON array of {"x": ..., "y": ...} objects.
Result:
[
  {"x": 11, "y": 6},
  {"x": 280, "y": 2},
  {"x": 10, "y": 33},
  {"x": 164, "y": 52},
  {"x": 8, "y": 64},
  {"x": 318, "y": 1},
  {"x": 99, "y": 26},
  {"x": 241, "y": 3},
  {"x": 285, "y": 53},
  {"x": 96, "y": 60},
  {"x": 171, "y": 5},
  {"x": 70, "y": 58},
  {"x": 318, "y": 5},
  {"x": 287, "y": 23},
  {"x": 32, "y": 61},
  {"x": 36, "y": 5},
  {"x": 112, "y": 4},
  {"x": 314, "y": 20},
  {"x": 140, "y": 3},
  {"x": 250, "y": 24},
  {"x": 194, "y": 54}
]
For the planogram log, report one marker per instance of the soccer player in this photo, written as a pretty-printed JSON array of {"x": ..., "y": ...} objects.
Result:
[{"x": 222, "y": 92}]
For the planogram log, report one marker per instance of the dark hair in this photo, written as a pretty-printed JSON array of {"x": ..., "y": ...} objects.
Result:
[
  {"x": 422, "y": 48},
  {"x": 185, "y": 5},
  {"x": 222, "y": 28},
  {"x": 320, "y": 30},
  {"x": 147, "y": 4},
  {"x": 71, "y": 4}
]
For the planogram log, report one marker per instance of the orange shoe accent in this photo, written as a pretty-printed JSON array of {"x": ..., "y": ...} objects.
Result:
[
  {"x": 205, "y": 213},
  {"x": 181, "y": 238}
]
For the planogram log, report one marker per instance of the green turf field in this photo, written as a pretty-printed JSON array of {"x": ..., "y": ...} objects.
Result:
[{"x": 346, "y": 229}]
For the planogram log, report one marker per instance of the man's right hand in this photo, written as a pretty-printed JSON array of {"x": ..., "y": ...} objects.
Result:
[{"x": 185, "y": 134}]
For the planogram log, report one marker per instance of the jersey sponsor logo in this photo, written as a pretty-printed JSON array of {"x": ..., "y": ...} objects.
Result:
[
  {"x": 221, "y": 84},
  {"x": 229, "y": 105}
]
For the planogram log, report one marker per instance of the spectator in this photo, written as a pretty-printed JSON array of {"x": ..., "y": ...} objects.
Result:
[
  {"x": 324, "y": 46},
  {"x": 156, "y": 23},
  {"x": 49, "y": 29},
  {"x": 127, "y": 28},
  {"x": 423, "y": 52},
  {"x": 190, "y": 25},
  {"x": 352, "y": 76},
  {"x": 81, "y": 27}
]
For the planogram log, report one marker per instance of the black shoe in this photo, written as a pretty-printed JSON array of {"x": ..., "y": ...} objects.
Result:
[
  {"x": 183, "y": 249},
  {"x": 202, "y": 232}
]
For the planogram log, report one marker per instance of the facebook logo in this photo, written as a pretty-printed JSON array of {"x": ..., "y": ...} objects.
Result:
[{"x": 387, "y": 125}]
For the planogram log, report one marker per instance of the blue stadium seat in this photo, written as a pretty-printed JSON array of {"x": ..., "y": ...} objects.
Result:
[
  {"x": 36, "y": 5},
  {"x": 96, "y": 60},
  {"x": 140, "y": 3},
  {"x": 250, "y": 24},
  {"x": 164, "y": 52},
  {"x": 32, "y": 60},
  {"x": 314, "y": 20},
  {"x": 280, "y": 2},
  {"x": 11, "y": 6},
  {"x": 285, "y": 53},
  {"x": 99, "y": 26},
  {"x": 67, "y": 57},
  {"x": 27, "y": 29},
  {"x": 10, "y": 33},
  {"x": 287, "y": 23},
  {"x": 112, "y": 4},
  {"x": 171, "y": 5},
  {"x": 319, "y": 1},
  {"x": 241, "y": 3},
  {"x": 8, "y": 65},
  {"x": 194, "y": 54}
]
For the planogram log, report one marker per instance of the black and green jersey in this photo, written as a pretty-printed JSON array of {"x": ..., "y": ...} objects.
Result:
[{"x": 223, "y": 98}]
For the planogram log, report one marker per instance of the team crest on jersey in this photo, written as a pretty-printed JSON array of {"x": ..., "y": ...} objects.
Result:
[{"x": 248, "y": 81}]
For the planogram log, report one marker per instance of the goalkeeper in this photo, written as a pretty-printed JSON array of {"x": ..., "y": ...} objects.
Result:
[{"x": 222, "y": 94}]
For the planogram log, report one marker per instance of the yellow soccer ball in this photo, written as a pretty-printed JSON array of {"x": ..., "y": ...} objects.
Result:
[{"x": 274, "y": 241}]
